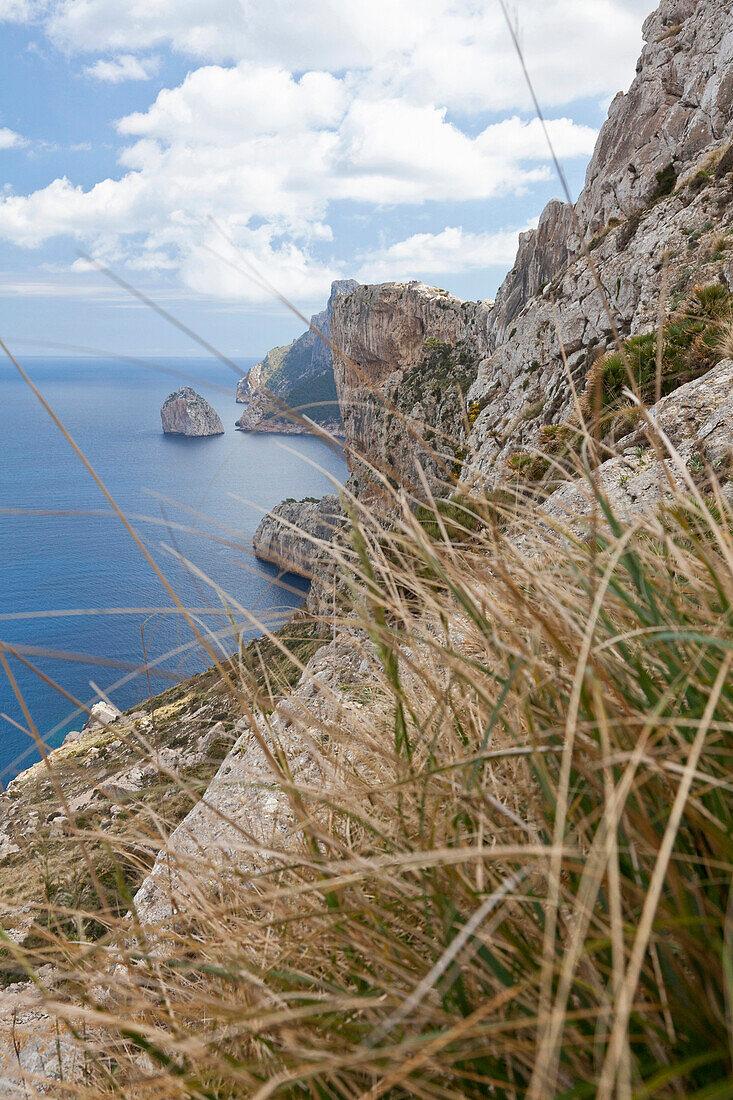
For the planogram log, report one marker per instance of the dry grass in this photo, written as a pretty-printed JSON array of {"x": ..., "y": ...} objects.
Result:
[
  {"x": 489, "y": 855},
  {"x": 503, "y": 854},
  {"x": 725, "y": 345}
]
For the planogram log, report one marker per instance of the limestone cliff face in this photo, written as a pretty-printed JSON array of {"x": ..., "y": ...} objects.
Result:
[
  {"x": 542, "y": 253},
  {"x": 293, "y": 535},
  {"x": 405, "y": 353},
  {"x": 298, "y": 376},
  {"x": 187, "y": 413},
  {"x": 661, "y": 180},
  {"x": 249, "y": 386},
  {"x": 678, "y": 106}
]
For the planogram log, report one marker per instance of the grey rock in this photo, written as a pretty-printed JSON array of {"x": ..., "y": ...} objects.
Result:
[
  {"x": 84, "y": 801},
  {"x": 37, "y": 1052},
  {"x": 679, "y": 109},
  {"x": 403, "y": 351},
  {"x": 295, "y": 535},
  {"x": 542, "y": 253},
  {"x": 679, "y": 105},
  {"x": 8, "y": 847},
  {"x": 244, "y": 813},
  {"x": 698, "y": 417},
  {"x": 187, "y": 413},
  {"x": 207, "y": 740},
  {"x": 102, "y": 714}
]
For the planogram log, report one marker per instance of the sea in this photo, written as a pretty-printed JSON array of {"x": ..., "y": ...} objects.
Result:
[{"x": 82, "y": 614}]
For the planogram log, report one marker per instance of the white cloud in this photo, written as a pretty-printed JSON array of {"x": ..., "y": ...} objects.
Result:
[
  {"x": 389, "y": 108},
  {"x": 124, "y": 67},
  {"x": 260, "y": 261},
  {"x": 215, "y": 104},
  {"x": 265, "y": 154},
  {"x": 446, "y": 253},
  {"x": 10, "y": 140},
  {"x": 16, "y": 11},
  {"x": 454, "y": 52}
]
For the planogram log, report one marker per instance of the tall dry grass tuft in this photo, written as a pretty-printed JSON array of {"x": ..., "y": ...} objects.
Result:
[
  {"x": 725, "y": 346},
  {"x": 488, "y": 854}
]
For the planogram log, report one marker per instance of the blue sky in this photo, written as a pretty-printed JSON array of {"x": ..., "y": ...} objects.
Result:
[{"x": 198, "y": 146}]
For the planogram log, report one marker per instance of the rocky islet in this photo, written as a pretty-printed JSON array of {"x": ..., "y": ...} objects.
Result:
[{"x": 186, "y": 412}]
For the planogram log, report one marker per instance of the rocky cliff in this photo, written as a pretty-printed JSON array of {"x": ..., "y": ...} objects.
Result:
[
  {"x": 295, "y": 535},
  {"x": 659, "y": 191},
  {"x": 406, "y": 355},
  {"x": 404, "y": 349},
  {"x": 678, "y": 108},
  {"x": 187, "y": 413},
  {"x": 298, "y": 376},
  {"x": 462, "y": 389}
]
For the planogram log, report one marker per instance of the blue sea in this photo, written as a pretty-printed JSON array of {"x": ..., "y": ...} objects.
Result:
[{"x": 77, "y": 599}]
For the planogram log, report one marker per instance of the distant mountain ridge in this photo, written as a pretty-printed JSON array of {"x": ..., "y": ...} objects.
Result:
[{"x": 299, "y": 375}]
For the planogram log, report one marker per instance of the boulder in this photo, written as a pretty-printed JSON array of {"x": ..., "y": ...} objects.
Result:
[
  {"x": 102, "y": 715},
  {"x": 207, "y": 740},
  {"x": 8, "y": 847}
]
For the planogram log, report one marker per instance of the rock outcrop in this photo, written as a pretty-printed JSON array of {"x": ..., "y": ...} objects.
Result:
[
  {"x": 678, "y": 107},
  {"x": 187, "y": 413},
  {"x": 697, "y": 420},
  {"x": 101, "y": 716},
  {"x": 243, "y": 808},
  {"x": 295, "y": 535},
  {"x": 299, "y": 377},
  {"x": 406, "y": 353}
]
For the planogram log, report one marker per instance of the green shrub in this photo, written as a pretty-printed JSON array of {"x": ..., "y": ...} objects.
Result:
[
  {"x": 692, "y": 346},
  {"x": 528, "y": 467},
  {"x": 666, "y": 183},
  {"x": 699, "y": 180}
]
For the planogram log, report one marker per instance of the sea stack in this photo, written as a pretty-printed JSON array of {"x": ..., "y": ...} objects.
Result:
[{"x": 187, "y": 413}]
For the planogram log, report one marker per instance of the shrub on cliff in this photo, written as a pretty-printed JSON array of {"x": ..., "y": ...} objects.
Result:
[{"x": 692, "y": 345}]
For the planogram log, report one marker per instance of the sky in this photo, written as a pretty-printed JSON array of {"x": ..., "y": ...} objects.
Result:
[{"x": 210, "y": 151}]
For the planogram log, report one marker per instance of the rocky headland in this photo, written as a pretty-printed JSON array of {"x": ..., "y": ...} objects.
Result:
[
  {"x": 297, "y": 377},
  {"x": 445, "y": 397},
  {"x": 295, "y": 536},
  {"x": 186, "y": 412}
]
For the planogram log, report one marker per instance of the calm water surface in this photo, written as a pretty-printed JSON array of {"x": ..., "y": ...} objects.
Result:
[{"x": 63, "y": 554}]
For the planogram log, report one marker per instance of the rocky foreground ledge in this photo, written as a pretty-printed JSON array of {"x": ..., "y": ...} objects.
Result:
[{"x": 188, "y": 413}]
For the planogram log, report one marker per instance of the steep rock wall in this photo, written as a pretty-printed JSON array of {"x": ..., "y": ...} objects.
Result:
[
  {"x": 678, "y": 106},
  {"x": 660, "y": 181},
  {"x": 406, "y": 353}
]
